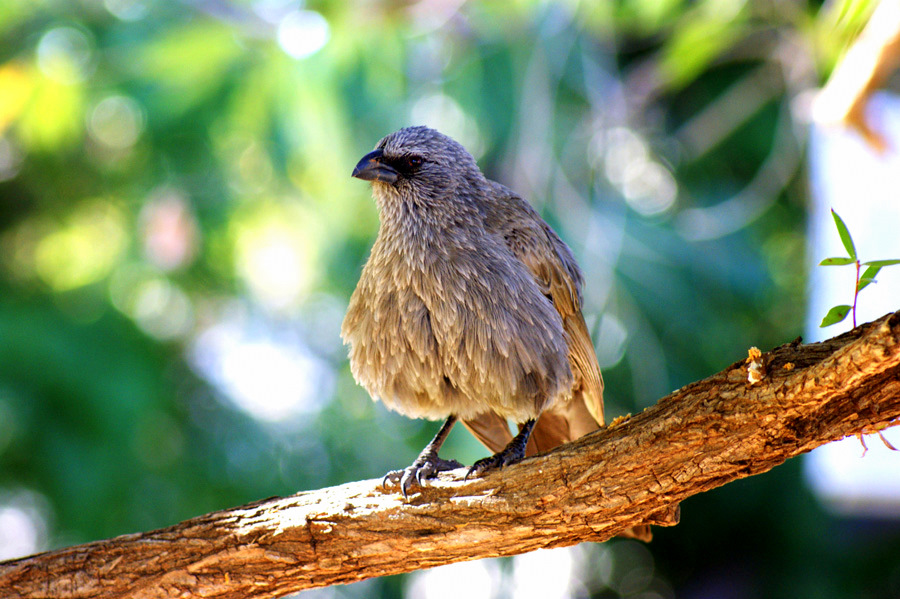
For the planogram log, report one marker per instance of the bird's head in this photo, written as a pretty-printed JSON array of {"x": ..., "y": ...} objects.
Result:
[{"x": 417, "y": 160}]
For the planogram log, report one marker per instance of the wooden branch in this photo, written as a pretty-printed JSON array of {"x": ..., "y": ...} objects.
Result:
[{"x": 637, "y": 470}]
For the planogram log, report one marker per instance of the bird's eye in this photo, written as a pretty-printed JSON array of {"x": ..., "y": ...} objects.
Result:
[{"x": 414, "y": 162}]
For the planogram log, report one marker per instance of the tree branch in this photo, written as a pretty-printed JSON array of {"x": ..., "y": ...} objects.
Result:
[{"x": 637, "y": 470}]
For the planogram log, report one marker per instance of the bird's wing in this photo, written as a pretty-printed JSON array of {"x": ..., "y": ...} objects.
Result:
[{"x": 554, "y": 268}]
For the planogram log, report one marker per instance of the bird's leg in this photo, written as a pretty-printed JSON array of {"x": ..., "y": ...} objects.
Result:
[
  {"x": 510, "y": 454},
  {"x": 427, "y": 465}
]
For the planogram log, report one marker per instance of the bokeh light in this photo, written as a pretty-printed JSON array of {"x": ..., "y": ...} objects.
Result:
[
  {"x": 265, "y": 371},
  {"x": 116, "y": 122},
  {"x": 66, "y": 54},
  {"x": 302, "y": 33},
  {"x": 83, "y": 249},
  {"x": 162, "y": 309},
  {"x": 544, "y": 574},
  {"x": 126, "y": 10},
  {"x": 169, "y": 230},
  {"x": 473, "y": 580},
  {"x": 275, "y": 247},
  {"x": 24, "y": 523},
  {"x": 16, "y": 85},
  {"x": 646, "y": 185}
]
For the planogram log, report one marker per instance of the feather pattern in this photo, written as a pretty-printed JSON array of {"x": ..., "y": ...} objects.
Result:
[
  {"x": 549, "y": 260},
  {"x": 444, "y": 319}
]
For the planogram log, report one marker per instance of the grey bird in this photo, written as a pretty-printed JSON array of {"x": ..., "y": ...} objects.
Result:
[{"x": 468, "y": 308}]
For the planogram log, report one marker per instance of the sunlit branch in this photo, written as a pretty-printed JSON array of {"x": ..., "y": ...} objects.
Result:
[{"x": 637, "y": 470}]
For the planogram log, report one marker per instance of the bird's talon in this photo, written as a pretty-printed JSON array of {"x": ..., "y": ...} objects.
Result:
[
  {"x": 423, "y": 469},
  {"x": 392, "y": 477},
  {"x": 496, "y": 461}
]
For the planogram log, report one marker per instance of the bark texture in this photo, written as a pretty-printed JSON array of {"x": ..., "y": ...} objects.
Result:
[{"x": 635, "y": 471}]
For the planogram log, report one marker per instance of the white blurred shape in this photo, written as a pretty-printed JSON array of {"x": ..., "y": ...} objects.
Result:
[
  {"x": 271, "y": 375},
  {"x": 861, "y": 185},
  {"x": 162, "y": 309},
  {"x": 322, "y": 593},
  {"x": 855, "y": 484},
  {"x": 302, "y": 33},
  {"x": 647, "y": 186},
  {"x": 472, "y": 580},
  {"x": 157, "y": 305},
  {"x": 443, "y": 113},
  {"x": 116, "y": 122},
  {"x": 611, "y": 340},
  {"x": 621, "y": 147},
  {"x": 274, "y": 269},
  {"x": 430, "y": 15},
  {"x": 126, "y": 10},
  {"x": 23, "y": 523},
  {"x": 272, "y": 11},
  {"x": 544, "y": 574},
  {"x": 65, "y": 54},
  {"x": 276, "y": 247}
]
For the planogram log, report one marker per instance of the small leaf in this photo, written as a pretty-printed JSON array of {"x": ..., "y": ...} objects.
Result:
[
  {"x": 867, "y": 277},
  {"x": 845, "y": 235},
  {"x": 872, "y": 271},
  {"x": 835, "y": 315},
  {"x": 863, "y": 283},
  {"x": 881, "y": 263},
  {"x": 836, "y": 261}
]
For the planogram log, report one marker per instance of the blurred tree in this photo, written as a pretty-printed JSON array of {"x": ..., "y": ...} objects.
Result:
[{"x": 179, "y": 235}]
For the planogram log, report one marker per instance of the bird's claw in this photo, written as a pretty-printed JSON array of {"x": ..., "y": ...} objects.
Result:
[
  {"x": 425, "y": 467},
  {"x": 494, "y": 462}
]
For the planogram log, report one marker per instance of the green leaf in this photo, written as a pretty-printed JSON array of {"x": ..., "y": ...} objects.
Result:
[
  {"x": 881, "y": 263},
  {"x": 836, "y": 261},
  {"x": 863, "y": 283},
  {"x": 845, "y": 235},
  {"x": 867, "y": 277},
  {"x": 697, "y": 41},
  {"x": 835, "y": 315}
]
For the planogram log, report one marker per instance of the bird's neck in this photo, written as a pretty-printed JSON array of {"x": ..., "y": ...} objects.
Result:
[{"x": 411, "y": 225}]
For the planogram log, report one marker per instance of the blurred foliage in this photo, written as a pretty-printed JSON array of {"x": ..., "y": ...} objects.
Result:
[{"x": 179, "y": 235}]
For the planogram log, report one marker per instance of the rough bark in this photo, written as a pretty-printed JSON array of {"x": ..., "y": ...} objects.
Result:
[{"x": 637, "y": 470}]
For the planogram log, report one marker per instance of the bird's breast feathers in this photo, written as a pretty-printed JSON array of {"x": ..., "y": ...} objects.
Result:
[{"x": 431, "y": 335}]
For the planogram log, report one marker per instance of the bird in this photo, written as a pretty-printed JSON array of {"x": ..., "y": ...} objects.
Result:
[{"x": 468, "y": 308}]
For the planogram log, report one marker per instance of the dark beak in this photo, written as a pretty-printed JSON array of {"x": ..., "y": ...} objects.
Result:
[{"x": 371, "y": 168}]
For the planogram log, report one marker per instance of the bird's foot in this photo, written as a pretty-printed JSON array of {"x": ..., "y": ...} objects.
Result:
[
  {"x": 509, "y": 455},
  {"x": 426, "y": 466}
]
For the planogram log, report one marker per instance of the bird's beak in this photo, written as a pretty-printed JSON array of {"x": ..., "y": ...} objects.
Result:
[{"x": 371, "y": 168}]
